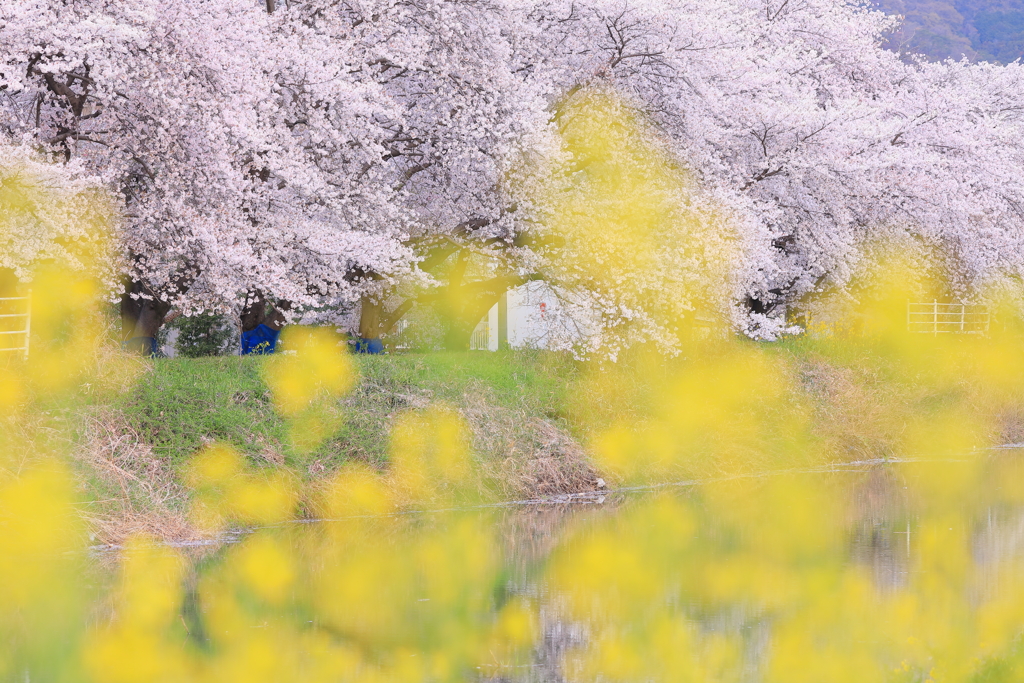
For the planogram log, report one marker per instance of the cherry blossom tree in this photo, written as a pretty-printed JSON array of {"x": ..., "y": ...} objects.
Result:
[
  {"x": 465, "y": 120},
  {"x": 48, "y": 214},
  {"x": 187, "y": 109},
  {"x": 794, "y": 116},
  {"x": 366, "y": 157},
  {"x": 803, "y": 139}
]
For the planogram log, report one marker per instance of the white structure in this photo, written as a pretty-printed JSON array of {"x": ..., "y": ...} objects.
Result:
[
  {"x": 936, "y": 317},
  {"x": 525, "y": 317},
  {"x": 15, "y": 324}
]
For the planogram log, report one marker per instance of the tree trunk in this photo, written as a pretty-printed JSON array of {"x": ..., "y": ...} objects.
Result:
[
  {"x": 254, "y": 312},
  {"x": 369, "y": 318},
  {"x": 8, "y": 283},
  {"x": 257, "y": 311},
  {"x": 465, "y": 305},
  {"x": 142, "y": 316},
  {"x": 371, "y": 314},
  {"x": 458, "y": 334},
  {"x": 276, "y": 320}
]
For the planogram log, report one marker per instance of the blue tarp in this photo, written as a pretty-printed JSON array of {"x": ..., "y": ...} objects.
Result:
[
  {"x": 260, "y": 341},
  {"x": 369, "y": 346},
  {"x": 144, "y": 346}
]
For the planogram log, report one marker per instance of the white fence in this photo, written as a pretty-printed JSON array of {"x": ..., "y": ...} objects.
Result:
[
  {"x": 481, "y": 338},
  {"x": 15, "y": 324},
  {"x": 398, "y": 337},
  {"x": 936, "y": 318}
]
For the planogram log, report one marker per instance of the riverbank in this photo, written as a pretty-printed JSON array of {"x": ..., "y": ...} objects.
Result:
[
  {"x": 515, "y": 406},
  {"x": 531, "y": 419}
]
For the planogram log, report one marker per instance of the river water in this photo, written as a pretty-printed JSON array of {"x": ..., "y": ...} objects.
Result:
[{"x": 907, "y": 571}]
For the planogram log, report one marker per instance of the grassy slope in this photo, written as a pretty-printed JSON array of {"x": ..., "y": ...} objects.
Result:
[
  {"x": 134, "y": 450},
  {"x": 515, "y": 403},
  {"x": 528, "y": 413},
  {"x": 184, "y": 403},
  {"x": 865, "y": 401}
]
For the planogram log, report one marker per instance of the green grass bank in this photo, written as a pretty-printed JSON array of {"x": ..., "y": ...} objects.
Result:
[
  {"x": 184, "y": 403},
  {"x": 515, "y": 405},
  {"x": 529, "y": 416}
]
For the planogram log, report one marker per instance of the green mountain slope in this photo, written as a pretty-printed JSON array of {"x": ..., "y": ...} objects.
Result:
[{"x": 990, "y": 30}]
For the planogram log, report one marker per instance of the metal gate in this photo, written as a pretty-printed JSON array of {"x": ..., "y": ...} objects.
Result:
[
  {"x": 936, "y": 318},
  {"x": 481, "y": 337},
  {"x": 15, "y": 324}
]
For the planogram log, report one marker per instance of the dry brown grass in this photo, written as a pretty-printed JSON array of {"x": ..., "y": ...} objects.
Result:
[
  {"x": 524, "y": 456},
  {"x": 862, "y": 414},
  {"x": 859, "y": 415},
  {"x": 127, "y": 489},
  {"x": 139, "y": 493},
  {"x": 1010, "y": 425}
]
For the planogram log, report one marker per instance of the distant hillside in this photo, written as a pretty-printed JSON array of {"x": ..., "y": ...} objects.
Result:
[{"x": 991, "y": 30}]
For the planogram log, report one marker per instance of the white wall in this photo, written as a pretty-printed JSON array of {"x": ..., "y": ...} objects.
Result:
[{"x": 532, "y": 313}]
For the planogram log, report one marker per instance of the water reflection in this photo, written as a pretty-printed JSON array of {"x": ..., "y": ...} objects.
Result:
[
  {"x": 858, "y": 574},
  {"x": 880, "y": 527}
]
